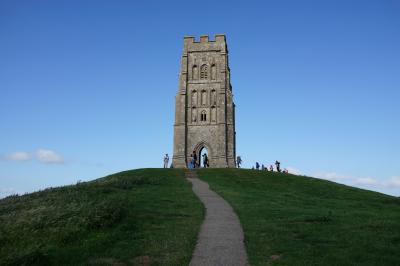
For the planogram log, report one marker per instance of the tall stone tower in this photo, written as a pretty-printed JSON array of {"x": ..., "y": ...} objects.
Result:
[{"x": 204, "y": 110}]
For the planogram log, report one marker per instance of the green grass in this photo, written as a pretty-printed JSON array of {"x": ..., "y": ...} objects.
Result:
[
  {"x": 152, "y": 217},
  {"x": 296, "y": 220},
  {"x": 139, "y": 217}
]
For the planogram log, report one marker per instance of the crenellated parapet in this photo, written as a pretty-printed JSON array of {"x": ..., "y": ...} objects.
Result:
[
  {"x": 218, "y": 38},
  {"x": 205, "y": 43}
]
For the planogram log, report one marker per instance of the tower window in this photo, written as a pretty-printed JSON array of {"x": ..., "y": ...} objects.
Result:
[
  {"x": 203, "y": 116},
  {"x": 203, "y": 97},
  {"x": 204, "y": 72},
  {"x": 213, "y": 72},
  {"x": 213, "y": 97},
  {"x": 194, "y": 98},
  {"x": 194, "y": 114},
  {"x": 195, "y": 73},
  {"x": 213, "y": 114}
]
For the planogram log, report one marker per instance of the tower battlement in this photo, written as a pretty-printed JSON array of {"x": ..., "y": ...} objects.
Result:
[{"x": 220, "y": 38}]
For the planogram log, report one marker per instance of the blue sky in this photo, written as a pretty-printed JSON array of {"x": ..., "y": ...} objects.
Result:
[{"x": 87, "y": 87}]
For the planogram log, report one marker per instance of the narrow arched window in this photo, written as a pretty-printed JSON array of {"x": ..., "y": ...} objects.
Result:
[
  {"x": 195, "y": 72},
  {"x": 203, "y": 116},
  {"x": 194, "y": 114},
  {"x": 204, "y": 72},
  {"x": 203, "y": 97},
  {"x": 213, "y": 114},
  {"x": 213, "y": 72},
  {"x": 213, "y": 97},
  {"x": 194, "y": 98}
]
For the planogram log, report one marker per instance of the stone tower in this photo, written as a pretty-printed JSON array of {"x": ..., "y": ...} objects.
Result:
[{"x": 204, "y": 110}]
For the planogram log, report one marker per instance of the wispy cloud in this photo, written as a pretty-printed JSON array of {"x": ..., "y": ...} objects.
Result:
[
  {"x": 5, "y": 192},
  {"x": 293, "y": 170},
  {"x": 393, "y": 182},
  {"x": 48, "y": 156},
  {"x": 367, "y": 182},
  {"x": 333, "y": 176},
  {"x": 42, "y": 155},
  {"x": 18, "y": 156}
]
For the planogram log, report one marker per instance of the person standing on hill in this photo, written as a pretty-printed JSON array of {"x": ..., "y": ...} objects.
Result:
[
  {"x": 166, "y": 160},
  {"x": 271, "y": 168},
  {"x": 257, "y": 166},
  {"x": 190, "y": 164},
  {"x": 238, "y": 161},
  {"x": 194, "y": 159},
  {"x": 278, "y": 166},
  {"x": 205, "y": 161}
]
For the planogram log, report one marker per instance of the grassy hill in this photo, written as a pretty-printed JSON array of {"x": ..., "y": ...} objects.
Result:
[
  {"x": 296, "y": 220},
  {"x": 139, "y": 217},
  {"x": 151, "y": 217}
]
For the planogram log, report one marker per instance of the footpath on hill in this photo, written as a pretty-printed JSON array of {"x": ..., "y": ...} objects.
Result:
[{"x": 220, "y": 241}]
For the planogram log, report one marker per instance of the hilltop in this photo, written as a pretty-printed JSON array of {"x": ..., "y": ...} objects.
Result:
[
  {"x": 297, "y": 220},
  {"x": 138, "y": 217},
  {"x": 152, "y": 217}
]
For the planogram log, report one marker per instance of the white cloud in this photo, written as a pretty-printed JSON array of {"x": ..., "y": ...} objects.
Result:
[
  {"x": 393, "y": 182},
  {"x": 293, "y": 170},
  {"x": 18, "y": 156},
  {"x": 347, "y": 179},
  {"x": 5, "y": 192},
  {"x": 383, "y": 185},
  {"x": 333, "y": 176},
  {"x": 48, "y": 156},
  {"x": 366, "y": 181},
  {"x": 42, "y": 155}
]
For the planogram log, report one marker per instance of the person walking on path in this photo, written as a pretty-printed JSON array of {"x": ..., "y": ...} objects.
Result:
[
  {"x": 166, "y": 160},
  {"x": 238, "y": 161},
  {"x": 278, "y": 166}
]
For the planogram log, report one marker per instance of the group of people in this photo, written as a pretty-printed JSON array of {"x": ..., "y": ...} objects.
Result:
[
  {"x": 271, "y": 167},
  {"x": 194, "y": 163}
]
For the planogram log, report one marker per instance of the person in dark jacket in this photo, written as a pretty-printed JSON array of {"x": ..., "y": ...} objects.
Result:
[
  {"x": 278, "y": 166},
  {"x": 205, "y": 161},
  {"x": 195, "y": 159},
  {"x": 238, "y": 161}
]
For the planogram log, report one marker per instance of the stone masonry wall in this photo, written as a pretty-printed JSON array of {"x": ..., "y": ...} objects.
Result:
[{"x": 204, "y": 110}]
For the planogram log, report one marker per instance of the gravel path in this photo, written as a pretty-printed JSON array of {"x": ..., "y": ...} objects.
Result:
[{"x": 220, "y": 241}]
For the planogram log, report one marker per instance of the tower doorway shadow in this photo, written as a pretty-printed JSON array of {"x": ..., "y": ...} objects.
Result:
[{"x": 202, "y": 153}]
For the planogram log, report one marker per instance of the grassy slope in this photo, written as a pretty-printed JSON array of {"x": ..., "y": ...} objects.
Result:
[
  {"x": 132, "y": 217},
  {"x": 294, "y": 220}
]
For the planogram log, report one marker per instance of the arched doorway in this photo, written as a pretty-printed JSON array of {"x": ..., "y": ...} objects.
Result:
[
  {"x": 202, "y": 153},
  {"x": 201, "y": 149}
]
